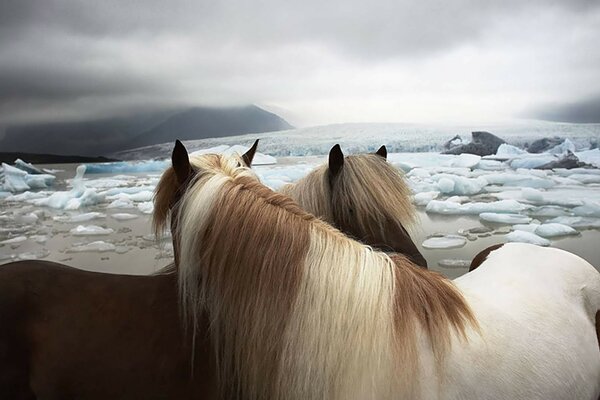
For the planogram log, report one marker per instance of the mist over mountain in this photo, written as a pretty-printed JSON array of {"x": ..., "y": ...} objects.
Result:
[{"x": 109, "y": 135}]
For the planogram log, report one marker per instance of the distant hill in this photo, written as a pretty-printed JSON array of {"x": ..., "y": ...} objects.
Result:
[
  {"x": 110, "y": 135},
  {"x": 202, "y": 123}
]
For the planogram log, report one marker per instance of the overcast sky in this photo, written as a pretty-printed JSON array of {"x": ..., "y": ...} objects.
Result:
[{"x": 314, "y": 62}]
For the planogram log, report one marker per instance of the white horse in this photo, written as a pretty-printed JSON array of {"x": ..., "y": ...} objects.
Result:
[{"x": 300, "y": 311}]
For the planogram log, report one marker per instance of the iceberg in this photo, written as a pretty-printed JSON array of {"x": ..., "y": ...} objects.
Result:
[
  {"x": 90, "y": 230},
  {"x": 508, "y": 219},
  {"x": 15, "y": 240},
  {"x": 444, "y": 242},
  {"x": 526, "y": 227},
  {"x": 27, "y": 167},
  {"x": 589, "y": 209},
  {"x": 423, "y": 198},
  {"x": 452, "y": 208},
  {"x": 98, "y": 246},
  {"x": 554, "y": 229},
  {"x": 577, "y": 222},
  {"x": 459, "y": 185},
  {"x": 127, "y": 166},
  {"x": 509, "y": 151},
  {"x": 14, "y": 179},
  {"x": 79, "y": 217},
  {"x": 123, "y": 216},
  {"x": 526, "y": 237},
  {"x": 454, "y": 263},
  {"x": 146, "y": 207}
]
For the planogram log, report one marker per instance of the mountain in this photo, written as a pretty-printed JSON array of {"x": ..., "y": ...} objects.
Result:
[
  {"x": 110, "y": 135},
  {"x": 203, "y": 123}
]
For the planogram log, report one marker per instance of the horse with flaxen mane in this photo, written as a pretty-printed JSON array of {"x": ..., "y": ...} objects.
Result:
[
  {"x": 300, "y": 311},
  {"x": 364, "y": 197}
]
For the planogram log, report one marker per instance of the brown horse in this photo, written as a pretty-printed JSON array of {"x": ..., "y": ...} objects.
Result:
[
  {"x": 67, "y": 333},
  {"x": 365, "y": 197}
]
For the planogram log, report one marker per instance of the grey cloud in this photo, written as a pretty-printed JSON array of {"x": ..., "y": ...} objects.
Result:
[{"x": 581, "y": 111}]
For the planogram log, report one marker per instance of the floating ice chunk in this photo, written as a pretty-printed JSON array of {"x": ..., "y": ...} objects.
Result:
[
  {"x": 590, "y": 157},
  {"x": 146, "y": 207},
  {"x": 79, "y": 217},
  {"x": 526, "y": 227},
  {"x": 549, "y": 211},
  {"x": 446, "y": 185},
  {"x": 465, "y": 160},
  {"x": 27, "y": 167},
  {"x": 39, "y": 238},
  {"x": 121, "y": 203},
  {"x": 98, "y": 246},
  {"x": 532, "y": 161},
  {"x": 29, "y": 218},
  {"x": 526, "y": 237},
  {"x": 90, "y": 230},
  {"x": 518, "y": 179},
  {"x": 454, "y": 263},
  {"x": 27, "y": 196},
  {"x": 532, "y": 194},
  {"x": 578, "y": 222},
  {"x": 422, "y": 199},
  {"x": 553, "y": 229},
  {"x": 15, "y": 240},
  {"x": 124, "y": 167},
  {"x": 123, "y": 216},
  {"x": 585, "y": 178},
  {"x": 39, "y": 181},
  {"x": 562, "y": 148},
  {"x": 419, "y": 173},
  {"x": 490, "y": 165},
  {"x": 145, "y": 195},
  {"x": 4, "y": 195},
  {"x": 34, "y": 255},
  {"x": 449, "y": 207},
  {"x": 452, "y": 184},
  {"x": 509, "y": 151},
  {"x": 14, "y": 179},
  {"x": 508, "y": 219},
  {"x": 445, "y": 242},
  {"x": 589, "y": 209},
  {"x": 128, "y": 190}
]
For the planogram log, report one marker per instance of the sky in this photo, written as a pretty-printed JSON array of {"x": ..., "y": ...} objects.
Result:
[{"x": 313, "y": 62}]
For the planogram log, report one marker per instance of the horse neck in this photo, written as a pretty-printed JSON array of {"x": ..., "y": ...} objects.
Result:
[{"x": 313, "y": 194}]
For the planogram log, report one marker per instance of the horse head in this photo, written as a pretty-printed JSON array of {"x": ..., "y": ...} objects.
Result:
[
  {"x": 371, "y": 201},
  {"x": 174, "y": 183}
]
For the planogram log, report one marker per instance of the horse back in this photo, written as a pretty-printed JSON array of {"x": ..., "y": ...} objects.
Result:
[{"x": 90, "y": 335}]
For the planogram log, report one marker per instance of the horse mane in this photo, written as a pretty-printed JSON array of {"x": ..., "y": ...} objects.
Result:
[
  {"x": 368, "y": 191},
  {"x": 297, "y": 309}
]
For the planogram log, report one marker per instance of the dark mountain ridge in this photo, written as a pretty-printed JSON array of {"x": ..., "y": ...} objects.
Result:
[{"x": 110, "y": 135}]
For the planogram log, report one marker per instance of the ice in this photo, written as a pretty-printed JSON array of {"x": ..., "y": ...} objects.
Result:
[
  {"x": 29, "y": 218},
  {"x": 445, "y": 242},
  {"x": 15, "y": 240},
  {"x": 589, "y": 209},
  {"x": 452, "y": 184},
  {"x": 127, "y": 167},
  {"x": 526, "y": 227},
  {"x": 79, "y": 217},
  {"x": 509, "y": 219},
  {"x": 562, "y": 148},
  {"x": 27, "y": 196},
  {"x": 423, "y": 198},
  {"x": 454, "y": 263},
  {"x": 98, "y": 246},
  {"x": 577, "y": 222},
  {"x": 144, "y": 195},
  {"x": 121, "y": 203},
  {"x": 259, "y": 158},
  {"x": 516, "y": 179},
  {"x": 548, "y": 211},
  {"x": 146, "y": 207},
  {"x": 14, "y": 179},
  {"x": 123, "y": 216},
  {"x": 27, "y": 167},
  {"x": 34, "y": 255},
  {"x": 449, "y": 207},
  {"x": 531, "y": 161},
  {"x": 90, "y": 230},
  {"x": 128, "y": 190},
  {"x": 465, "y": 160},
  {"x": 490, "y": 165},
  {"x": 509, "y": 151},
  {"x": 585, "y": 178},
  {"x": 419, "y": 173},
  {"x": 39, "y": 238},
  {"x": 73, "y": 199},
  {"x": 526, "y": 237},
  {"x": 589, "y": 156},
  {"x": 554, "y": 229}
]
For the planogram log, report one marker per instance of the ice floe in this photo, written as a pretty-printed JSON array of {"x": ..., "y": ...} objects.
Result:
[
  {"x": 454, "y": 263},
  {"x": 508, "y": 219},
  {"x": 15, "y": 240},
  {"x": 123, "y": 216},
  {"x": 444, "y": 242},
  {"x": 90, "y": 230},
  {"x": 553, "y": 229},
  {"x": 452, "y": 208},
  {"x": 526, "y": 237},
  {"x": 79, "y": 217},
  {"x": 97, "y": 246}
]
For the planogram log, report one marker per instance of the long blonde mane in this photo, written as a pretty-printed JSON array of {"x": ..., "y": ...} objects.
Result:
[
  {"x": 368, "y": 193},
  {"x": 297, "y": 309}
]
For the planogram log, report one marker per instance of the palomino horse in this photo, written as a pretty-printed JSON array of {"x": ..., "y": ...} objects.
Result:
[
  {"x": 68, "y": 333},
  {"x": 300, "y": 311},
  {"x": 363, "y": 196}
]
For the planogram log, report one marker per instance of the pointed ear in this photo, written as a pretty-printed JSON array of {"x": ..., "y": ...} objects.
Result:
[
  {"x": 336, "y": 160},
  {"x": 382, "y": 152},
  {"x": 249, "y": 155},
  {"x": 181, "y": 162}
]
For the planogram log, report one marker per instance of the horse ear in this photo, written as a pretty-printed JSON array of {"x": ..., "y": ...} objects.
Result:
[
  {"x": 382, "y": 152},
  {"x": 181, "y": 162},
  {"x": 336, "y": 160},
  {"x": 249, "y": 155}
]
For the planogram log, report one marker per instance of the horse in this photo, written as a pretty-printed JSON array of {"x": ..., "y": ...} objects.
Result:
[
  {"x": 300, "y": 311},
  {"x": 363, "y": 196},
  {"x": 69, "y": 333}
]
